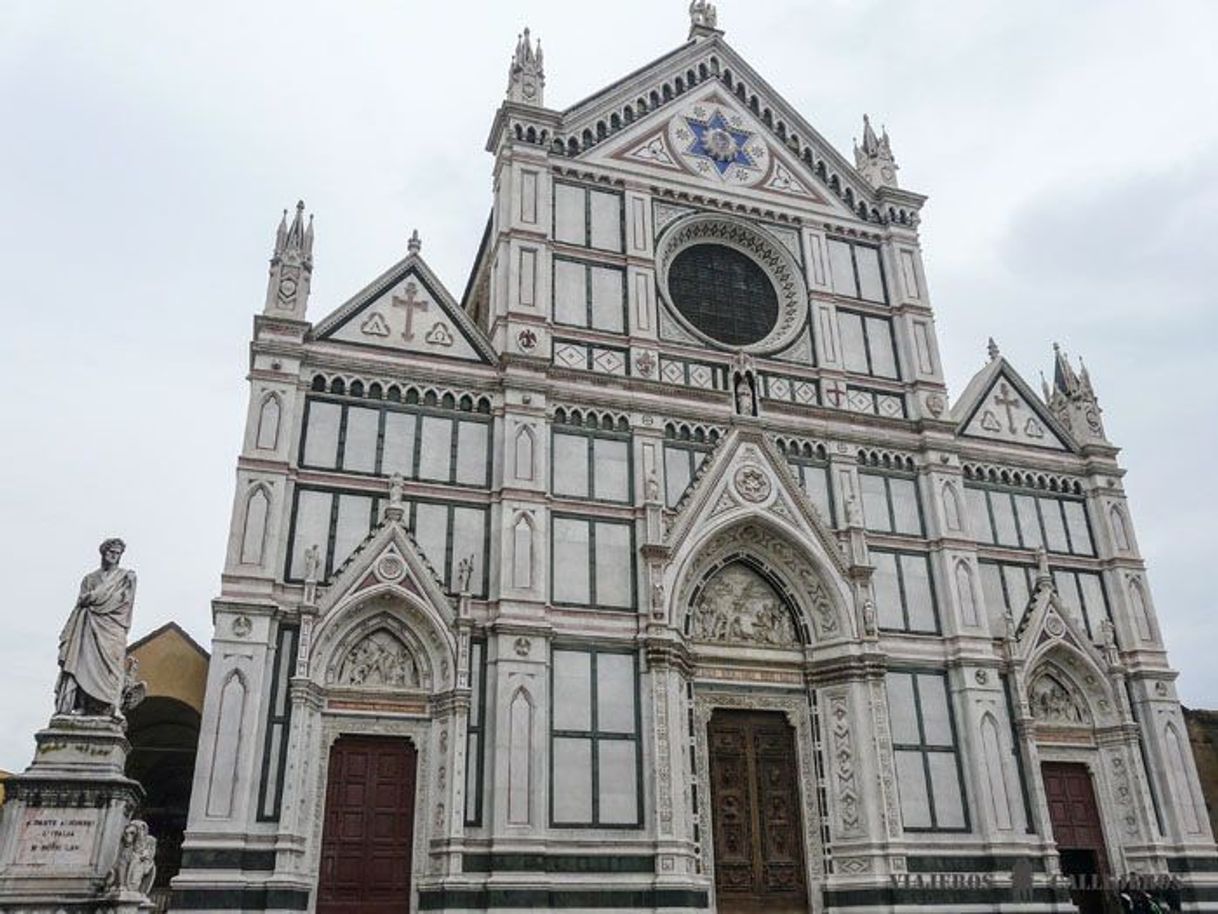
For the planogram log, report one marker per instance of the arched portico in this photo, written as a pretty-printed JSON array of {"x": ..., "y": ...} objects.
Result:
[
  {"x": 758, "y": 601},
  {"x": 376, "y": 686}
]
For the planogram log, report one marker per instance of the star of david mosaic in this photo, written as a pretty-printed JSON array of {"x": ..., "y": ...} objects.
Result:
[{"x": 717, "y": 140}]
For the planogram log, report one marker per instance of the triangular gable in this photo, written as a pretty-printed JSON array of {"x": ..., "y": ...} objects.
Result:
[
  {"x": 1047, "y": 619},
  {"x": 746, "y": 472},
  {"x": 407, "y": 309},
  {"x": 390, "y": 556},
  {"x": 821, "y": 168},
  {"x": 1051, "y": 632},
  {"x": 709, "y": 139},
  {"x": 998, "y": 405}
]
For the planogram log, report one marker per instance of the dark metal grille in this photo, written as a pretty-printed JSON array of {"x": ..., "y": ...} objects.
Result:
[{"x": 724, "y": 293}]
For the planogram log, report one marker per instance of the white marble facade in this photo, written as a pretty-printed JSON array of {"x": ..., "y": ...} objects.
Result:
[{"x": 543, "y": 533}]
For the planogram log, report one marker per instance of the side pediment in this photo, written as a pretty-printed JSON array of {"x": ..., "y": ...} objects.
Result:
[
  {"x": 998, "y": 405},
  {"x": 407, "y": 309}
]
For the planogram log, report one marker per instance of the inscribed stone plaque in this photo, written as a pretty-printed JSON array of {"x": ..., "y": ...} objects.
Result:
[{"x": 56, "y": 838}]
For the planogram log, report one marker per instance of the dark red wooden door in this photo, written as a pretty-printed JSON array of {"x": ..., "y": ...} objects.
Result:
[
  {"x": 1078, "y": 832},
  {"x": 759, "y": 860},
  {"x": 369, "y": 828}
]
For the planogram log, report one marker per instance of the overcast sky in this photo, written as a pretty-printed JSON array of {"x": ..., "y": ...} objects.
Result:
[{"x": 1069, "y": 151}]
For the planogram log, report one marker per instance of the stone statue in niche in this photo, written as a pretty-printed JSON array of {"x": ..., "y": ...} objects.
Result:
[
  {"x": 746, "y": 394},
  {"x": 1108, "y": 642},
  {"x": 465, "y": 573},
  {"x": 380, "y": 661},
  {"x": 653, "y": 487},
  {"x": 739, "y": 607},
  {"x": 93, "y": 644},
  {"x": 135, "y": 868},
  {"x": 871, "y": 628},
  {"x": 312, "y": 563},
  {"x": 1052, "y": 703}
]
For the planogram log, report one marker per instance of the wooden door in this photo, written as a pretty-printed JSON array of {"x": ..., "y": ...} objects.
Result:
[
  {"x": 1077, "y": 829},
  {"x": 369, "y": 827},
  {"x": 759, "y": 860}
]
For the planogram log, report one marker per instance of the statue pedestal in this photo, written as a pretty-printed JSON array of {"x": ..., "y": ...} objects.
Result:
[{"x": 63, "y": 820}]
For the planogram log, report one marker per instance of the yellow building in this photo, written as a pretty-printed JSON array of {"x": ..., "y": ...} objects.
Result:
[{"x": 164, "y": 733}]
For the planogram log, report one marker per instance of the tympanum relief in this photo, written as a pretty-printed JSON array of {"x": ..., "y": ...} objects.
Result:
[
  {"x": 1052, "y": 703},
  {"x": 738, "y": 607},
  {"x": 379, "y": 661}
]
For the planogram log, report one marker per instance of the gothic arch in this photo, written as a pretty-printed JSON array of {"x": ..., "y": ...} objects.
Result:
[
  {"x": 1120, "y": 529},
  {"x": 524, "y": 530},
  {"x": 995, "y": 780},
  {"x": 787, "y": 559},
  {"x": 520, "y": 757},
  {"x": 254, "y": 526},
  {"x": 966, "y": 593},
  {"x": 270, "y": 413},
  {"x": 1140, "y": 609},
  {"x": 953, "y": 515},
  {"x": 394, "y": 610},
  {"x": 1086, "y": 698},
  {"x": 525, "y": 453},
  {"x": 1178, "y": 775},
  {"x": 226, "y": 747}
]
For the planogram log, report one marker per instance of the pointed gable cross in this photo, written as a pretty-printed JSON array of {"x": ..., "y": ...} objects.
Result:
[
  {"x": 411, "y": 305},
  {"x": 1010, "y": 404}
]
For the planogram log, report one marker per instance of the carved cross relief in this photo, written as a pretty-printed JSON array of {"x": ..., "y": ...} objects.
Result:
[
  {"x": 1010, "y": 403},
  {"x": 411, "y": 304}
]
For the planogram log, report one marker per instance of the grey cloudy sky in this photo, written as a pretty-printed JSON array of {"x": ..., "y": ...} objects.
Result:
[{"x": 1070, "y": 151}]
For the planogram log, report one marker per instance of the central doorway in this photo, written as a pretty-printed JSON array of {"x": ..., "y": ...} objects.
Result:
[
  {"x": 759, "y": 858},
  {"x": 1079, "y": 834},
  {"x": 369, "y": 827}
]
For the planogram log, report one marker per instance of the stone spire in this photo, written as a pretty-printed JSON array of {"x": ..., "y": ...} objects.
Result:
[
  {"x": 415, "y": 244},
  {"x": 992, "y": 350},
  {"x": 287, "y": 292},
  {"x": 703, "y": 19},
  {"x": 1073, "y": 402},
  {"x": 874, "y": 159},
  {"x": 527, "y": 74}
]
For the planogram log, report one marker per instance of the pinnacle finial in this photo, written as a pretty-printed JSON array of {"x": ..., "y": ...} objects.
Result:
[
  {"x": 993, "y": 350},
  {"x": 296, "y": 235},
  {"x": 415, "y": 244},
  {"x": 874, "y": 158},
  {"x": 526, "y": 75},
  {"x": 871, "y": 143}
]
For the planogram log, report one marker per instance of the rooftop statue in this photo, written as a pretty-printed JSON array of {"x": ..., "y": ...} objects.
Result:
[
  {"x": 93, "y": 645},
  {"x": 703, "y": 14}
]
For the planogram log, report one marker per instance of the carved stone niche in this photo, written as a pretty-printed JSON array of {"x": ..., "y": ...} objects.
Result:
[
  {"x": 738, "y": 606},
  {"x": 379, "y": 661}
]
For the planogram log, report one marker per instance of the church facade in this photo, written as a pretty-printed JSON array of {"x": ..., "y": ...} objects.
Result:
[{"x": 656, "y": 572}]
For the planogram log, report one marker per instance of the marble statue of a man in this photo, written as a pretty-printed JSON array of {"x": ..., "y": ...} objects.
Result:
[{"x": 93, "y": 645}]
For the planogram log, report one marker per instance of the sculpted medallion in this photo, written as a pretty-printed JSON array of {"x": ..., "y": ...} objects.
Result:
[{"x": 752, "y": 483}]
